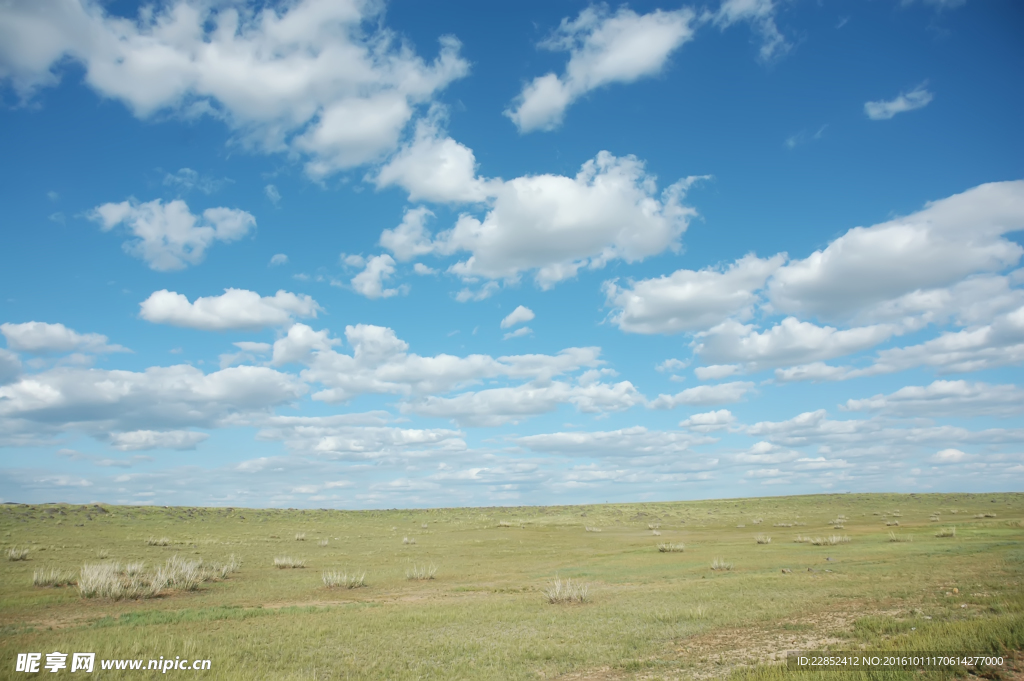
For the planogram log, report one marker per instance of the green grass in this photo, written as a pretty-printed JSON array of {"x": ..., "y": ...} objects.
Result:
[{"x": 486, "y": 614}]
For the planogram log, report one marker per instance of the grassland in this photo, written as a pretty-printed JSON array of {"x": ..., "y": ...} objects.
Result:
[{"x": 463, "y": 593}]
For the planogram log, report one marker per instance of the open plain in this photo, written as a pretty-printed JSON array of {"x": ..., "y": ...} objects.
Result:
[{"x": 469, "y": 593}]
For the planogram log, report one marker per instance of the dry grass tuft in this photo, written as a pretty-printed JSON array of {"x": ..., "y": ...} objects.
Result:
[
  {"x": 653, "y": 526},
  {"x": 671, "y": 548},
  {"x": 421, "y": 573},
  {"x": 567, "y": 592},
  {"x": 891, "y": 523},
  {"x": 408, "y": 540},
  {"x": 800, "y": 539},
  {"x": 162, "y": 541},
  {"x": 946, "y": 532},
  {"x": 323, "y": 542},
  {"x": 763, "y": 539},
  {"x": 53, "y": 577},
  {"x": 900, "y": 538},
  {"x": 334, "y": 578},
  {"x": 592, "y": 529},
  {"x": 830, "y": 540},
  {"x": 287, "y": 562},
  {"x": 300, "y": 536},
  {"x": 108, "y": 580},
  {"x": 504, "y": 523},
  {"x": 14, "y": 553},
  {"x": 718, "y": 565},
  {"x": 656, "y": 533}
]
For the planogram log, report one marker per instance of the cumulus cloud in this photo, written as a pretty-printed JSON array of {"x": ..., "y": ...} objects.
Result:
[
  {"x": 688, "y": 300},
  {"x": 950, "y": 456},
  {"x": 234, "y": 309},
  {"x": 709, "y": 421},
  {"x": 761, "y": 15},
  {"x": 279, "y": 259},
  {"x": 10, "y": 366},
  {"x": 518, "y": 333},
  {"x": 945, "y": 398},
  {"x": 370, "y": 282},
  {"x": 625, "y": 442},
  {"x": 765, "y": 453},
  {"x": 604, "y": 49},
  {"x": 721, "y": 393},
  {"x": 316, "y": 77},
  {"x": 556, "y": 225},
  {"x": 937, "y": 246},
  {"x": 882, "y": 110},
  {"x": 517, "y": 316},
  {"x": 434, "y": 167},
  {"x": 100, "y": 402},
  {"x": 40, "y": 338},
  {"x": 168, "y": 236},
  {"x": 154, "y": 439}
]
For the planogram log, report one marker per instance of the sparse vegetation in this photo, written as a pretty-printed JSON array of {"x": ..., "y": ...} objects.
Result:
[
  {"x": 672, "y": 548},
  {"x": 300, "y": 536},
  {"x": 53, "y": 577},
  {"x": 162, "y": 541},
  {"x": 719, "y": 564},
  {"x": 323, "y": 542},
  {"x": 900, "y": 538},
  {"x": 334, "y": 578},
  {"x": 588, "y": 528},
  {"x": 422, "y": 572},
  {"x": 946, "y": 532},
  {"x": 567, "y": 592},
  {"x": 14, "y": 553},
  {"x": 287, "y": 562},
  {"x": 830, "y": 540},
  {"x": 763, "y": 539},
  {"x": 408, "y": 540}
]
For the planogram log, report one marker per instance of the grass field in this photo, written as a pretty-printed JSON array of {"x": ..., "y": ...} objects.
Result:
[{"x": 469, "y": 593}]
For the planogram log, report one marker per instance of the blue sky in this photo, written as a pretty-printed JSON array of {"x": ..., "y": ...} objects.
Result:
[{"x": 363, "y": 254}]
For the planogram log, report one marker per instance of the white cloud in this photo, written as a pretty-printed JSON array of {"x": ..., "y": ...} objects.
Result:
[
  {"x": 788, "y": 342},
  {"x": 370, "y": 282},
  {"x": 709, "y": 421},
  {"x": 423, "y": 270},
  {"x": 935, "y": 247},
  {"x": 604, "y": 48},
  {"x": 721, "y": 393},
  {"x": 950, "y": 456},
  {"x": 557, "y": 225},
  {"x": 815, "y": 371},
  {"x": 100, "y": 402},
  {"x": 381, "y": 364},
  {"x": 761, "y": 15},
  {"x": 315, "y": 77},
  {"x": 517, "y": 316},
  {"x": 10, "y": 366},
  {"x": 671, "y": 365},
  {"x": 882, "y": 110},
  {"x": 626, "y": 442},
  {"x": 689, "y": 300},
  {"x": 40, "y": 338},
  {"x": 168, "y": 236},
  {"x": 249, "y": 352},
  {"x": 410, "y": 239},
  {"x": 946, "y": 398},
  {"x": 279, "y": 259},
  {"x": 765, "y": 453},
  {"x": 498, "y": 406},
  {"x": 273, "y": 194},
  {"x": 434, "y": 167},
  {"x": 153, "y": 439},
  {"x": 717, "y": 371},
  {"x": 186, "y": 180},
  {"x": 518, "y": 333},
  {"x": 234, "y": 309}
]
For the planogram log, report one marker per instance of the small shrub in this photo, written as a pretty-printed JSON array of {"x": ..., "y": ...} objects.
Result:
[
  {"x": 162, "y": 541},
  {"x": 300, "y": 536},
  {"x": 14, "y": 553},
  {"x": 287, "y": 562},
  {"x": 763, "y": 539},
  {"x": 504, "y": 523},
  {"x": 421, "y": 573},
  {"x": 900, "y": 538},
  {"x": 408, "y": 540},
  {"x": 53, "y": 577},
  {"x": 946, "y": 532},
  {"x": 891, "y": 523},
  {"x": 567, "y": 592},
  {"x": 672, "y": 548},
  {"x": 334, "y": 578},
  {"x": 719, "y": 564}
]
